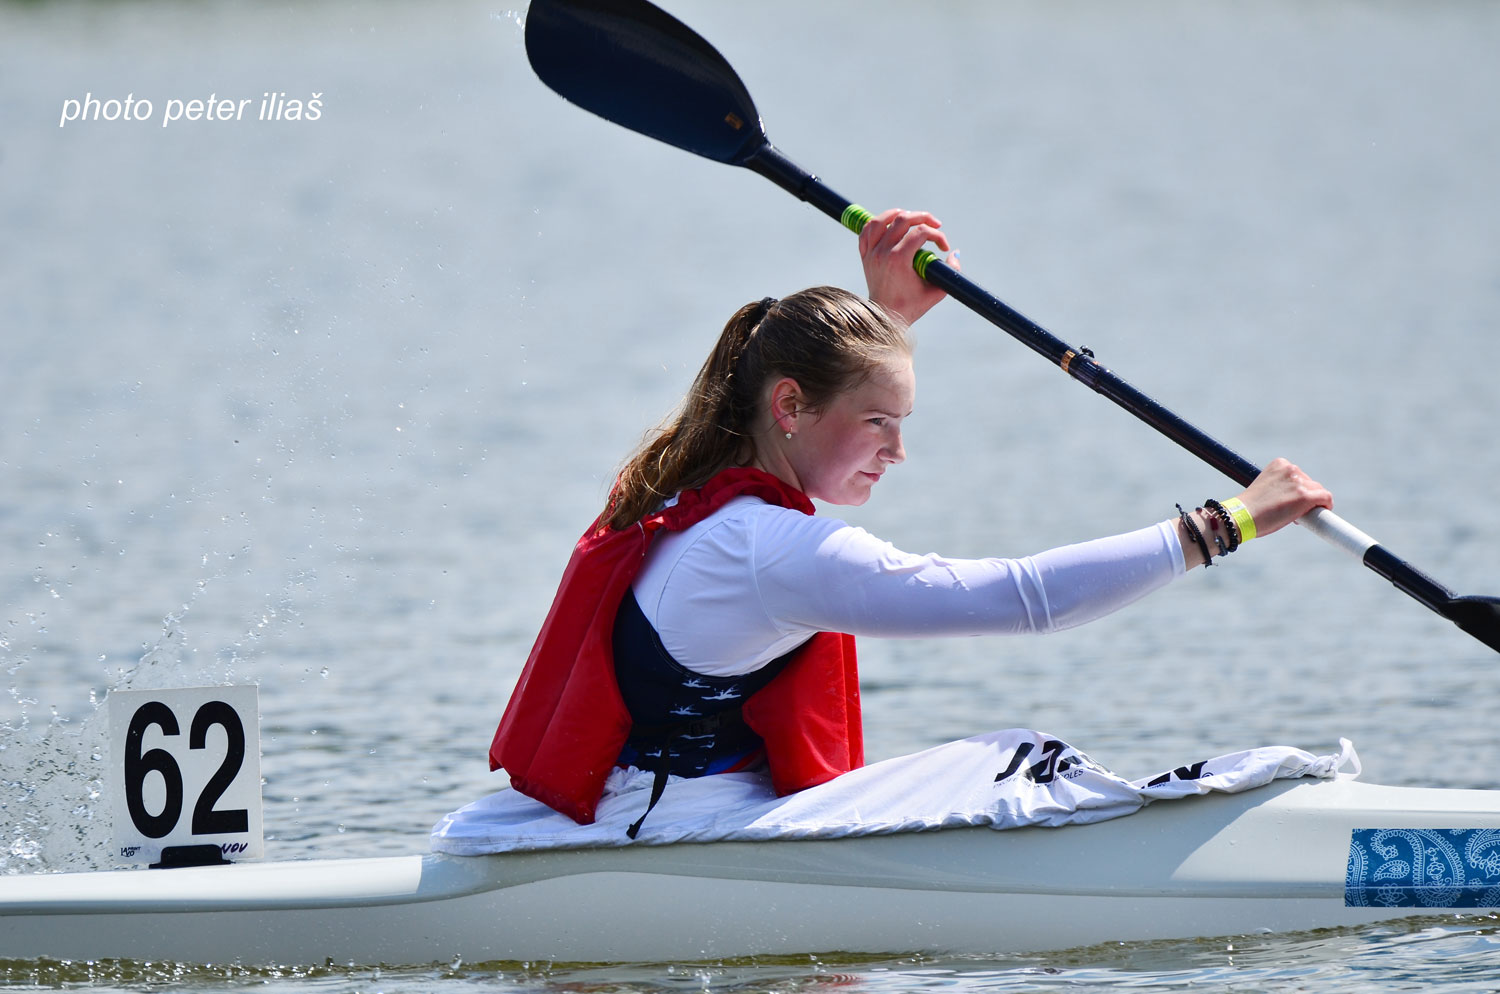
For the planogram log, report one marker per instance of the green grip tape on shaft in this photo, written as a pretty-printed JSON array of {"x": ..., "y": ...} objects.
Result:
[
  {"x": 856, "y": 217},
  {"x": 921, "y": 261}
]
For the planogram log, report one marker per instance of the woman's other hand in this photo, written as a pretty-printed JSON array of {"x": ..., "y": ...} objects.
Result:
[{"x": 1281, "y": 494}]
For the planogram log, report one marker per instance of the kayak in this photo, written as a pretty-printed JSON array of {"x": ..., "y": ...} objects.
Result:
[{"x": 1289, "y": 856}]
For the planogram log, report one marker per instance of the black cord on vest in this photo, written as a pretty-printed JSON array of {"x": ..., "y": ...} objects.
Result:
[{"x": 658, "y": 784}]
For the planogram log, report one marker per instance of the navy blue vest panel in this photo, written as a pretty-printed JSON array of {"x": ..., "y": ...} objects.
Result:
[{"x": 695, "y": 717}]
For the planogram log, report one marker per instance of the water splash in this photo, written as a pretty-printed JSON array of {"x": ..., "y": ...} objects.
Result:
[
  {"x": 49, "y": 796},
  {"x": 53, "y": 807}
]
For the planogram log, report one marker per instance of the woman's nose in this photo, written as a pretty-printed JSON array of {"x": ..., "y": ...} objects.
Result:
[{"x": 895, "y": 450}]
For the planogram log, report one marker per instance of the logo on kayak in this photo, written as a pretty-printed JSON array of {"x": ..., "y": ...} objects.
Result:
[
  {"x": 1423, "y": 868},
  {"x": 1194, "y": 772},
  {"x": 1057, "y": 758}
]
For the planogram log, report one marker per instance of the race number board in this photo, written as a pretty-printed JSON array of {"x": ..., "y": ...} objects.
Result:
[{"x": 184, "y": 770}]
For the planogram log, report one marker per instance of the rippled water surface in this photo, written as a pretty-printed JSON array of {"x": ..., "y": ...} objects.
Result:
[{"x": 321, "y": 404}]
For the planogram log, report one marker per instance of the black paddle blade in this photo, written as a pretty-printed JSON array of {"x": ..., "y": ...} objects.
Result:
[
  {"x": 634, "y": 64},
  {"x": 1479, "y": 616}
]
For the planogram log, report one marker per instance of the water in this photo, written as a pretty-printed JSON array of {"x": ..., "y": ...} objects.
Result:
[{"x": 321, "y": 404}]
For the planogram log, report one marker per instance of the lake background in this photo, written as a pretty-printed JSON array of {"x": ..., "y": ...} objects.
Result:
[{"x": 321, "y": 405}]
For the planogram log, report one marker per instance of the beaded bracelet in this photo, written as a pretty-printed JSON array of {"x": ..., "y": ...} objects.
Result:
[
  {"x": 1221, "y": 515},
  {"x": 1192, "y": 527}
]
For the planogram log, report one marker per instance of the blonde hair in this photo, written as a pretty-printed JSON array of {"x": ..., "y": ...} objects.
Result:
[{"x": 826, "y": 339}]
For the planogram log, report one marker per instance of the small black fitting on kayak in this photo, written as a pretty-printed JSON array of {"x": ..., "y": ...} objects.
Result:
[{"x": 176, "y": 857}]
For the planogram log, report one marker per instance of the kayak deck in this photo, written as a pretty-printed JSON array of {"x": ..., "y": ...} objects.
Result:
[{"x": 1276, "y": 858}]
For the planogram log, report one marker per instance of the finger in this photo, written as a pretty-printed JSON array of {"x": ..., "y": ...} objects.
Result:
[
  {"x": 897, "y": 227},
  {"x": 918, "y": 235},
  {"x": 874, "y": 227},
  {"x": 894, "y": 224},
  {"x": 878, "y": 224},
  {"x": 908, "y": 218}
]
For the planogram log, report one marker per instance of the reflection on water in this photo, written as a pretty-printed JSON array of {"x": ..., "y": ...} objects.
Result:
[{"x": 1431, "y": 955}]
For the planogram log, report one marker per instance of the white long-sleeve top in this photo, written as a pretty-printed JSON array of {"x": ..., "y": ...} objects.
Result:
[{"x": 753, "y": 581}]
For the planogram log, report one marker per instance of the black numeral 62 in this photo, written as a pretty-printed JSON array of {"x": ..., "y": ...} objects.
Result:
[{"x": 207, "y": 820}]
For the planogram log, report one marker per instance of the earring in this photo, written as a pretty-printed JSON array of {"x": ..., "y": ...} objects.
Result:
[{"x": 788, "y": 436}]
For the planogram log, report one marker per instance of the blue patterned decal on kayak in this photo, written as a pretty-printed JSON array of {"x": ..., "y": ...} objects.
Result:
[{"x": 1423, "y": 868}]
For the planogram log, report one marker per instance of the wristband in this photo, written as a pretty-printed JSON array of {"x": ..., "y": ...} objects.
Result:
[{"x": 1242, "y": 517}]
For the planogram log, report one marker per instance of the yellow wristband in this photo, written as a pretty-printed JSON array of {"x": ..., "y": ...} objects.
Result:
[{"x": 1242, "y": 517}]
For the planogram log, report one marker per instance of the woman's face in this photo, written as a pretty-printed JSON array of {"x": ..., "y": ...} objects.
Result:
[{"x": 838, "y": 453}]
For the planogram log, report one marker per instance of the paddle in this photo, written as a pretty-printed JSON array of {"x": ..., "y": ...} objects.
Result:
[{"x": 636, "y": 65}]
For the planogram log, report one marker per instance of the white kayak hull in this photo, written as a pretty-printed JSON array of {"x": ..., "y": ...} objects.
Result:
[{"x": 1272, "y": 859}]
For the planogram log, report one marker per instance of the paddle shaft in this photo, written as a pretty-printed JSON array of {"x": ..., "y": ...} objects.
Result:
[{"x": 768, "y": 161}]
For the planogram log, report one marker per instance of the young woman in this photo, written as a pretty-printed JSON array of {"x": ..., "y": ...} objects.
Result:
[{"x": 694, "y": 629}]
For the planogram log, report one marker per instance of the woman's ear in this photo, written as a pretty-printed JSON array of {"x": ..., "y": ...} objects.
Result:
[{"x": 785, "y": 404}]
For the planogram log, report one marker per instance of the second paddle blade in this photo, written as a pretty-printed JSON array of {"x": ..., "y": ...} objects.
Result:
[{"x": 1479, "y": 616}]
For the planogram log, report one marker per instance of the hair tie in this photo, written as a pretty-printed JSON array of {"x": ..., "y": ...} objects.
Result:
[
  {"x": 766, "y": 303},
  {"x": 761, "y": 307}
]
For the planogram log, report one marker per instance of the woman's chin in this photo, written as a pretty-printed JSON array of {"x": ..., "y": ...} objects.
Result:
[{"x": 851, "y": 497}]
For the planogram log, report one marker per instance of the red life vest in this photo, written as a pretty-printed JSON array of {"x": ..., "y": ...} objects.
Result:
[{"x": 566, "y": 722}]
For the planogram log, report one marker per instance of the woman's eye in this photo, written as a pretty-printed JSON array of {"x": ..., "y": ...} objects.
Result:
[{"x": 878, "y": 422}]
